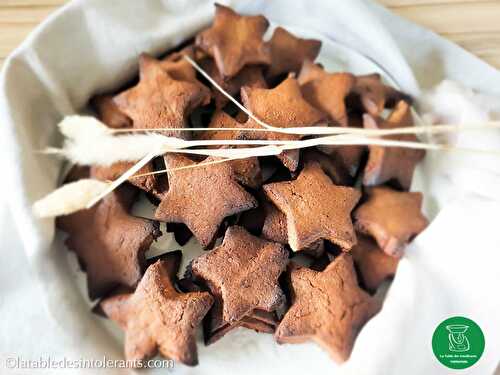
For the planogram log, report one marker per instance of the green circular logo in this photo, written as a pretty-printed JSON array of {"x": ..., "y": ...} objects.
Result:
[{"x": 458, "y": 342}]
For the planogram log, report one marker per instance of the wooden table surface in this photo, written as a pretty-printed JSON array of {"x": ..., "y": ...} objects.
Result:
[{"x": 474, "y": 24}]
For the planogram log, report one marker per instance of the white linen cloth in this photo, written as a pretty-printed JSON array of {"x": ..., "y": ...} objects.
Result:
[{"x": 91, "y": 46}]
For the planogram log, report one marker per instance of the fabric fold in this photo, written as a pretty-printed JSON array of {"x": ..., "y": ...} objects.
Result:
[{"x": 92, "y": 46}]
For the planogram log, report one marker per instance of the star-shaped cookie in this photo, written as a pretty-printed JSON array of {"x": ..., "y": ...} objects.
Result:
[
  {"x": 258, "y": 320},
  {"x": 179, "y": 68},
  {"x": 109, "y": 242},
  {"x": 373, "y": 264},
  {"x": 153, "y": 184},
  {"x": 315, "y": 208},
  {"x": 275, "y": 229},
  {"x": 327, "y": 91},
  {"x": 214, "y": 325},
  {"x": 283, "y": 107},
  {"x": 201, "y": 197},
  {"x": 288, "y": 52},
  {"x": 221, "y": 119},
  {"x": 348, "y": 157},
  {"x": 235, "y": 41},
  {"x": 393, "y": 218},
  {"x": 310, "y": 71},
  {"x": 242, "y": 274},
  {"x": 160, "y": 101},
  {"x": 247, "y": 171},
  {"x": 250, "y": 76},
  {"x": 332, "y": 165},
  {"x": 157, "y": 318},
  {"x": 374, "y": 96},
  {"x": 386, "y": 164},
  {"x": 109, "y": 113},
  {"x": 328, "y": 307}
]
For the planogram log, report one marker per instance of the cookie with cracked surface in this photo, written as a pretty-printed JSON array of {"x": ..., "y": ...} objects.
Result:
[
  {"x": 157, "y": 318},
  {"x": 202, "y": 196},
  {"x": 160, "y": 101},
  {"x": 315, "y": 208},
  {"x": 242, "y": 274},
  {"x": 328, "y": 307}
]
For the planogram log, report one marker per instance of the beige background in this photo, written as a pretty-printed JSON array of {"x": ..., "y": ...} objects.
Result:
[{"x": 474, "y": 24}]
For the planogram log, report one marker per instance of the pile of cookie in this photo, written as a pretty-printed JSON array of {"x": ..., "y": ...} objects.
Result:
[{"x": 296, "y": 245}]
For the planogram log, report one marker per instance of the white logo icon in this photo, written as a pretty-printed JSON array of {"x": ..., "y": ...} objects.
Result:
[{"x": 458, "y": 342}]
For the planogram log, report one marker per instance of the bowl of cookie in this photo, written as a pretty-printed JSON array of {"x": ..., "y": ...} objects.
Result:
[{"x": 238, "y": 188}]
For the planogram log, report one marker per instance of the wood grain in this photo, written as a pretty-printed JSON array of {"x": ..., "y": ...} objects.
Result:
[
  {"x": 473, "y": 24},
  {"x": 403, "y": 3}
]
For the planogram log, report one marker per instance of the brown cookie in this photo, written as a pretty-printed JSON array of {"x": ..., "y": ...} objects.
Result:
[
  {"x": 275, "y": 230},
  {"x": 252, "y": 220},
  {"x": 77, "y": 172},
  {"x": 179, "y": 68},
  {"x": 315, "y": 208},
  {"x": 109, "y": 113},
  {"x": 373, "y": 264},
  {"x": 288, "y": 52},
  {"x": 171, "y": 261},
  {"x": 216, "y": 327},
  {"x": 157, "y": 318},
  {"x": 387, "y": 164},
  {"x": 374, "y": 96},
  {"x": 333, "y": 166},
  {"x": 154, "y": 184},
  {"x": 109, "y": 242},
  {"x": 282, "y": 107},
  {"x": 235, "y": 41},
  {"x": 160, "y": 101},
  {"x": 348, "y": 157},
  {"x": 250, "y": 76},
  {"x": 247, "y": 171},
  {"x": 201, "y": 197},
  {"x": 310, "y": 72},
  {"x": 327, "y": 92},
  {"x": 221, "y": 119},
  {"x": 242, "y": 274},
  {"x": 393, "y": 218},
  {"x": 328, "y": 307},
  {"x": 248, "y": 322}
]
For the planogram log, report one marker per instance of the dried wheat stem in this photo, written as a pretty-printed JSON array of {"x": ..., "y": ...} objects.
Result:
[
  {"x": 335, "y": 130},
  {"x": 334, "y": 136}
]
